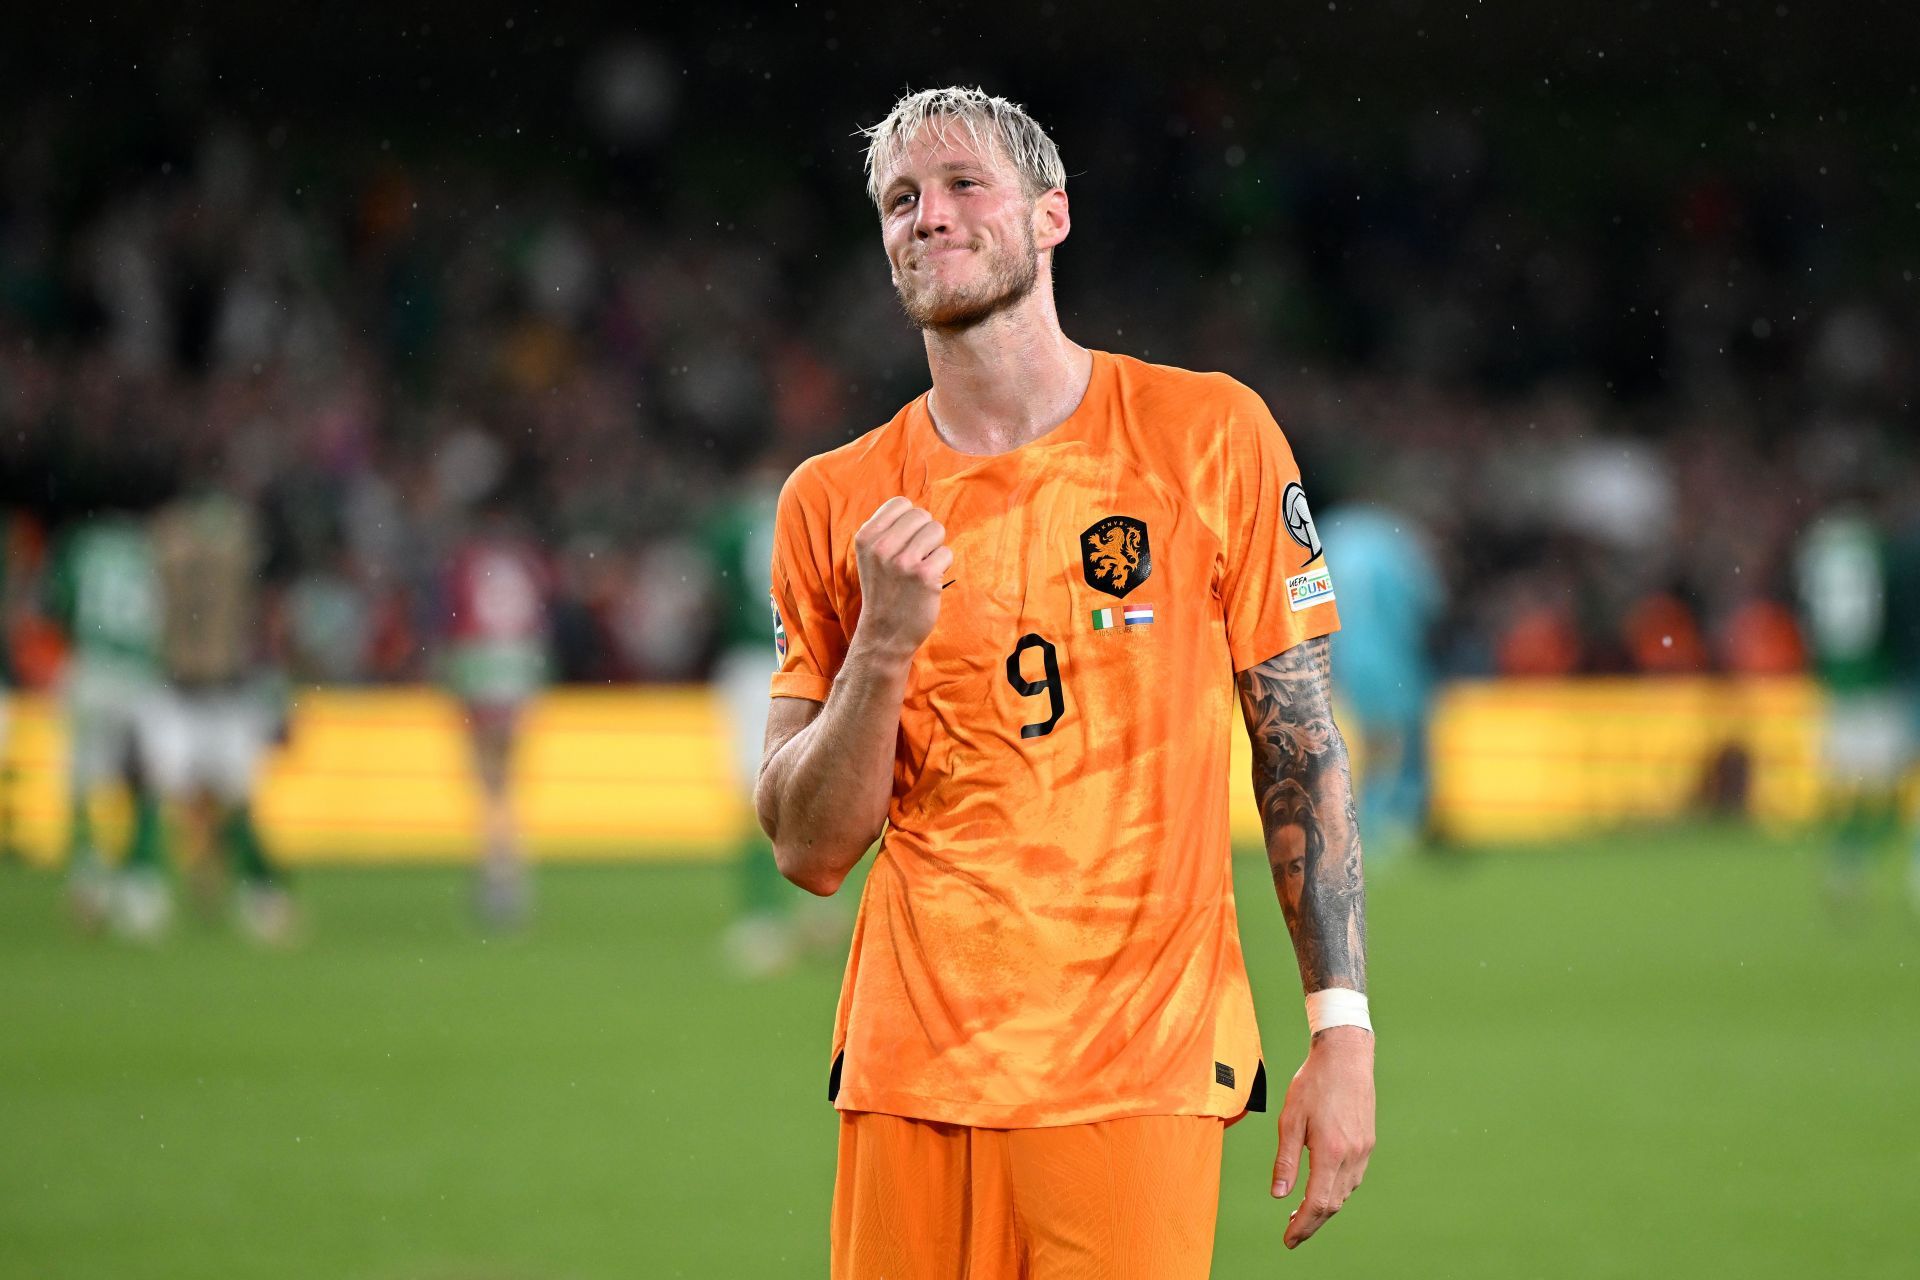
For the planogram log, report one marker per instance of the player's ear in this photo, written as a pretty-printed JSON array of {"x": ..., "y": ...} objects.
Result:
[{"x": 1051, "y": 219}]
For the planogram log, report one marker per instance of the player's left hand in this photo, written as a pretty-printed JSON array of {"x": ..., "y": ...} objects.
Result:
[{"x": 1329, "y": 1111}]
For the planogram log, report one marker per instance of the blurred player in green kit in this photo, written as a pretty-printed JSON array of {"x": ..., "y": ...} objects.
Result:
[
  {"x": 1903, "y": 616},
  {"x": 1857, "y": 590},
  {"x": 106, "y": 594},
  {"x": 767, "y": 934}
]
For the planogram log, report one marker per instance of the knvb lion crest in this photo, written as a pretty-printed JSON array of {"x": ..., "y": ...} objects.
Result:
[{"x": 1115, "y": 556}]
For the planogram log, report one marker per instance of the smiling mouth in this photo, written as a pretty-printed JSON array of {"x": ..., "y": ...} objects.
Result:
[{"x": 933, "y": 255}]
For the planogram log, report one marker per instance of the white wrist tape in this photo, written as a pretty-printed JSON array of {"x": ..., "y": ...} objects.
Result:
[{"x": 1336, "y": 1007}]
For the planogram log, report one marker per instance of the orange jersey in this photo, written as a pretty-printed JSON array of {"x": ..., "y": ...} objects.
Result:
[{"x": 1048, "y": 935}]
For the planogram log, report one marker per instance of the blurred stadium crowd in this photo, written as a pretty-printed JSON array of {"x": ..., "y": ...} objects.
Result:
[{"x": 1610, "y": 409}]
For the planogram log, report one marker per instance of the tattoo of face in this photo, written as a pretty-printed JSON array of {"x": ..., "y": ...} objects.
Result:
[{"x": 1304, "y": 787}]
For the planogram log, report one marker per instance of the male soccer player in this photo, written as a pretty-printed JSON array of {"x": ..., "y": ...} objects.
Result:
[
  {"x": 1390, "y": 598},
  {"x": 1903, "y": 623},
  {"x": 1016, "y": 617},
  {"x": 1848, "y": 572},
  {"x": 762, "y": 940},
  {"x": 497, "y": 588},
  {"x": 209, "y": 552},
  {"x": 106, "y": 593}
]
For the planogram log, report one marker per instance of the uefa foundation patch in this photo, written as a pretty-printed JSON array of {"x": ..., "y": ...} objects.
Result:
[{"x": 1315, "y": 586}]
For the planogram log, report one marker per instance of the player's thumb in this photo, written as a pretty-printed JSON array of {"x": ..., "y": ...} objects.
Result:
[{"x": 1287, "y": 1163}]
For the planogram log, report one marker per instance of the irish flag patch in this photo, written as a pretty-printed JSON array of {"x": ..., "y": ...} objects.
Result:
[{"x": 1132, "y": 615}]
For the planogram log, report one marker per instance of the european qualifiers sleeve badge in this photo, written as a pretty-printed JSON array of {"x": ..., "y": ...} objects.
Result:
[
  {"x": 1314, "y": 585},
  {"x": 1293, "y": 505},
  {"x": 779, "y": 630}
]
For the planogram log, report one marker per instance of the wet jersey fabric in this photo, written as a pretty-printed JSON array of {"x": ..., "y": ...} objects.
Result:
[{"x": 1048, "y": 935}]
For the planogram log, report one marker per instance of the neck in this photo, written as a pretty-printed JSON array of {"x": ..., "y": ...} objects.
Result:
[{"x": 1006, "y": 381}]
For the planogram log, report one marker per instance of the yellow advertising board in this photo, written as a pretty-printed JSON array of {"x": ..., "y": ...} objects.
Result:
[
  {"x": 383, "y": 775},
  {"x": 1528, "y": 759}
]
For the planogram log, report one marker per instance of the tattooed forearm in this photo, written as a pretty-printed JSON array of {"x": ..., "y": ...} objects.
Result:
[{"x": 1305, "y": 790}]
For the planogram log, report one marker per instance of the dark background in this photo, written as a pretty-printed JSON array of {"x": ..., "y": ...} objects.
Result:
[{"x": 1475, "y": 257}]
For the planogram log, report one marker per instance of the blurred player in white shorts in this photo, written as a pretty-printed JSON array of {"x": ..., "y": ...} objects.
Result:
[
  {"x": 498, "y": 588},
  {"x": 224, "y": 707},
  {"x": 105, "y": 593}
]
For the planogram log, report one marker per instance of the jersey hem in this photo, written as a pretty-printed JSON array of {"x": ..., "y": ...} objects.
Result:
[
  {"x": 1023, "y": 1115},
  {"x": 1258, "y": 650},
  {"x": 799, "y": 684}
]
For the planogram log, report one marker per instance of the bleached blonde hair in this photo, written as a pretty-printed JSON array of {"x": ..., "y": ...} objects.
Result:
[{"x": 989, "y": 124}]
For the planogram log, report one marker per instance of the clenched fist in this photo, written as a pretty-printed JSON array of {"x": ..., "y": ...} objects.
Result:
[{"x": 902, "y": 557}]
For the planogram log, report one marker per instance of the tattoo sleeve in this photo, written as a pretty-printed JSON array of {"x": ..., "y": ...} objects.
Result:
[{"x": 1305, "y": 791}]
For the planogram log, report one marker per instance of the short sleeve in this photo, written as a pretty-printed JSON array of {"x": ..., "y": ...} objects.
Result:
[
  {"x": 1277, "y": 588},
  {"x": 809, "y": 636}
]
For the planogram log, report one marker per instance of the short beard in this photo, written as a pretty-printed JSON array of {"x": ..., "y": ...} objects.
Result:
[{"x": 1007, "y": 285}]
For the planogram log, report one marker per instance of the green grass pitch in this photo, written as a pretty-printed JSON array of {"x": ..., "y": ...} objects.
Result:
[{"x": 1646, "y": 1056}]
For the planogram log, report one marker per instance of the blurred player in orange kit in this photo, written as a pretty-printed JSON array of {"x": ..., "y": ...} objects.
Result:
[
  {"x": 497, "y": 588},
  {"x": 1016, "y": 618}
]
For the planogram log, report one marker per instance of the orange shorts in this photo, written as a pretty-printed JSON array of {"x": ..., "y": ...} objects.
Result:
[{"x": 1129, "y": 1199}]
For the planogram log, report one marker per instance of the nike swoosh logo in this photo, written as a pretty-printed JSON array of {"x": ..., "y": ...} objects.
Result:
[{"x": 948, "y": 583}]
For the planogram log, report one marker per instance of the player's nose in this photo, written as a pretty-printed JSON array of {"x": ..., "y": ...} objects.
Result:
[{"x": 932, "y": 216}]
